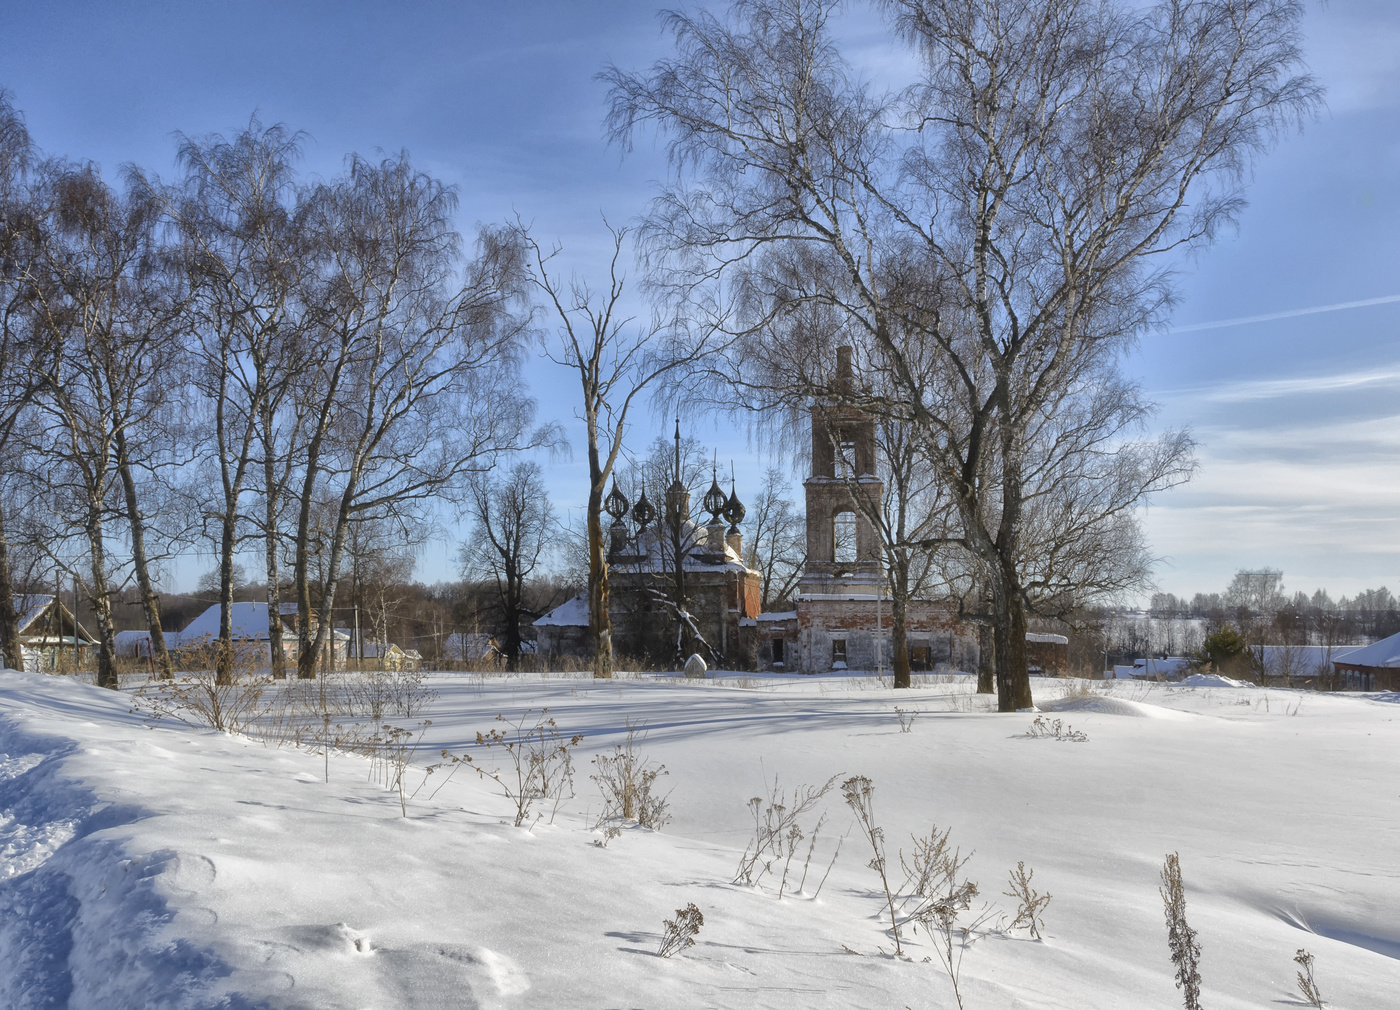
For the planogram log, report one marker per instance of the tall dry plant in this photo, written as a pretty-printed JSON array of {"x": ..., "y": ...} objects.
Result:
[
  {"x": 859, "y": 794},
  {"x": 1181, "y": 938},
  {"x": 778, "y": 833}
]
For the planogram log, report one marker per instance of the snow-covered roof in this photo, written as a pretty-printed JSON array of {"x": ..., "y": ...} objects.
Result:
[
  {"x": 779, "y": 615},
  {"x": 30, "y": 608},
  {"x": 468, "y": 646},
  {"x": 131, "y": 636},
  {"x": 569, "y": 614},
  {"x": 371, "y": 645},
  {"x": 1170, "y": 665},
  {"x": 1385, "y": 653},
  {"x": 655, "y": 552},
  {"x": 1032, "y": 636},
  {"x": 390, "y": 649},
  {"x": 249, "y": 623}
]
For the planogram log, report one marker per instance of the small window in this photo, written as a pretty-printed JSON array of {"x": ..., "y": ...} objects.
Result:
[
  {"x": 843, "y": 538},
  {"x": 919, "y": 656},
  {"x": 838, "y": 650}
]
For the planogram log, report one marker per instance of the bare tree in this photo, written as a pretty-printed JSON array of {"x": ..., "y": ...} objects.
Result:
[
  {"x": 415, "y": 384},
  {"x": 379, "y": 557},
  {"x": 245, "y": 251},
  {"x": 515, "y": 529},
  {"x": 101, "y": 392},
  {"x": 988, "y": 236},
  {"x": 616, "y": 360},
  {"x": 777, "y": 539},
  {"x": 18, "y": 233}
]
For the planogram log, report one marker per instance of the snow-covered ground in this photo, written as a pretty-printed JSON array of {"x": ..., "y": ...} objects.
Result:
[{"x": 161, "y": 866}]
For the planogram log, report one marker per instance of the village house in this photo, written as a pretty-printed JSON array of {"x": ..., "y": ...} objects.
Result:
[
  {"x": 1375, "y": 667},
  {"x": 249, "y": 634},
  {"x": 50, "y": 637}
]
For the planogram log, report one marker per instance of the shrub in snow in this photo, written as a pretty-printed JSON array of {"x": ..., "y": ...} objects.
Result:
[
  {"x": 391, "y": 750},
  {"x": 934, "y": 873},
  {"x": 628, "y": 784},
  {"x": 1181, "y": 938},
  {"x": 679, "y": 933},
  {"x": 1056, "y": 729},
  {"x": 906, "y": 719},
  {"x": 778, "y": 834},
  {"x": 1307, "y": 985},
  {"x": 1029, "y": 901},
  {"x": 201, "y": 701},
  {"x": 541, "y": 762},
  {"x": 377, "y": 692},
  {"x": 1226, "y": 651}
]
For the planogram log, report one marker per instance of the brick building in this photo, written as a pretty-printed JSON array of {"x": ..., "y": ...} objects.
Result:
[
  {"x": 675, "y": 586},
  {"x": 841, "y": 618}
]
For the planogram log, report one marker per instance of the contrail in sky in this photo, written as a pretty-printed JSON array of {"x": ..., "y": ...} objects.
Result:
[{"x": 1385, "y": 300}]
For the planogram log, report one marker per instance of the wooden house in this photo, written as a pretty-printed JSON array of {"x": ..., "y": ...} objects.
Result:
[{"x": 50, "y": 637}]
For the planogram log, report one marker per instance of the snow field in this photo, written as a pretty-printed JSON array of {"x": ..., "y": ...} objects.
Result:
[{"x": 164, "y": 866}]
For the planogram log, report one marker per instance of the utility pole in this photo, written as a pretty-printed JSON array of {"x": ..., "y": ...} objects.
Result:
[{"x": 75, "y": 624}]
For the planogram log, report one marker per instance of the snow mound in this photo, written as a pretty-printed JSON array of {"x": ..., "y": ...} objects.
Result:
[
  {"x": 1110, "y": 706},
  {"x": 1211, "y": 680}
]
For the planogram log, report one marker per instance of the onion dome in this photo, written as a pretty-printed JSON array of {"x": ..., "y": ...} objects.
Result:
[
  {"x": 616, "y": 503},
  {"x": 643, "y": 512},
  {"x": 713, "y": 502},
  {"x": 734, "y": 511}
]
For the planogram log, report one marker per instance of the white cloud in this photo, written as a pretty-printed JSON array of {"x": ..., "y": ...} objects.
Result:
[{"x": 1268, "y": 389}]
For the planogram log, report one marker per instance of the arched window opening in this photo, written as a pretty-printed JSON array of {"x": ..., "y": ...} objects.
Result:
[{"x": 843, "y": 545}]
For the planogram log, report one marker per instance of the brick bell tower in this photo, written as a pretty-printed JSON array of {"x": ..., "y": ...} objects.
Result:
[{"x": 843, "y": 549}]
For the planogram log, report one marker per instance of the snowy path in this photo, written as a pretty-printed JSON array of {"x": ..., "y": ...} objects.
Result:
[{"x": 163, "y": 866}]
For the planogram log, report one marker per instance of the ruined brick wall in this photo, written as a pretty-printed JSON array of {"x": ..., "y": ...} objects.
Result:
[{"x": 863, "y": 631}]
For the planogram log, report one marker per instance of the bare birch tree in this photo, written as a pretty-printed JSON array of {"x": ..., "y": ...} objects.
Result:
[
  {"x": 103, "y": 390},
  {"x": 992, "y": 236},
  {"x": 18, "y": 232},
  {"x": 776, "y": 544},
  {"x": 616, "y": 359},
  {"x": 415, "y": 382},
  {"x": 245, "y": 252}
]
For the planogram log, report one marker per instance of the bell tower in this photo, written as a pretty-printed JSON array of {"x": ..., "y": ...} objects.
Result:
[{"x": 843, "y": 548}]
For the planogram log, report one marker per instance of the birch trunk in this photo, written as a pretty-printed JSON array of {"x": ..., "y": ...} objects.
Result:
[{"x": 150, "y": 600}]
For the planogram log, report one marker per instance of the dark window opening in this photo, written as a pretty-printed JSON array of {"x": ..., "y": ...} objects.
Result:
[
  {"x": 838, "y": 650},
  {"x": 919, "y": 658},
  {"x": 777, "y": 652},
  {"x": 843, "y": 538}
]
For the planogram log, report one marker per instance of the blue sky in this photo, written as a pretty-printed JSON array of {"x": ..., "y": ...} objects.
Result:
[{"x": 1297, "y": 416}]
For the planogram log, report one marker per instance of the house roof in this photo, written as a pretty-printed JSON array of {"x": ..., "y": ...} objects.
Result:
[
  {"x": 569, "y": 614},
  {"x": 249, "y": 623},
  {"x": 1384, "y": 654},
  {"x": 32, "y": 607}
]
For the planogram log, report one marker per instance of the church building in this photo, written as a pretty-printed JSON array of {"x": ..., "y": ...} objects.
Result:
[{"x": 709, "y": 602}]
